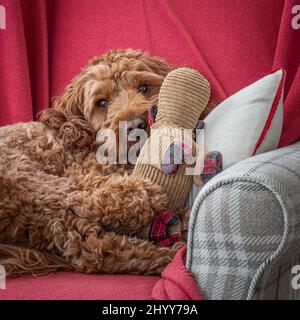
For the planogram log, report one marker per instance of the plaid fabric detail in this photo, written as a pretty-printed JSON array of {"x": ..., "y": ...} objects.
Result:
[
  {"x": 168, "y": 165},
  {"x": 173, "y": 238},
  {"x": 245, "y": 227},
  {"x": 159, "y": 230},
  {"x": 176, "y": 154},
  {"x": 152, "y": 115},
  {"x": 212, "y": 165}
]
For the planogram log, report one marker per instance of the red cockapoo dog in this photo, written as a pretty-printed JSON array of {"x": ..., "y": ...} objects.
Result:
[{"x": 59, "y": 208}]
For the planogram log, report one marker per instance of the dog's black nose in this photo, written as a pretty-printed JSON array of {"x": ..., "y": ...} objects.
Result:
[{"x": 138, "y": 123}]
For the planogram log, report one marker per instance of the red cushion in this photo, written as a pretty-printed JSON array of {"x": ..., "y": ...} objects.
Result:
[{"x": 77, "y": 286}]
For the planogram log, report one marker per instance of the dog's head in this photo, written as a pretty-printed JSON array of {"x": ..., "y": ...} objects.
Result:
[{"x": 117, "y": 86}]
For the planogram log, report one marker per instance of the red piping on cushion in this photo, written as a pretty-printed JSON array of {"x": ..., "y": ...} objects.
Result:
[{"x": 272, "y": 111}]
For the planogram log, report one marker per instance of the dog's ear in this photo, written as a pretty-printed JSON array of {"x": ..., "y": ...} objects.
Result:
[{"x": 67, "y": 117}]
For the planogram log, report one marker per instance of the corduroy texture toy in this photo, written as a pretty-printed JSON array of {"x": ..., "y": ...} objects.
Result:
[{"x": 182, "y": 97}]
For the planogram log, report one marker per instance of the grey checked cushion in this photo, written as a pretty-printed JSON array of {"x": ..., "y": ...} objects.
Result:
[{"x": 244, "y": 231}]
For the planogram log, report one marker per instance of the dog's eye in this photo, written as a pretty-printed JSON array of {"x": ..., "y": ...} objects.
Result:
[
  {"x": 102, "y": 103},
  {"x": 143, "y": 88}
]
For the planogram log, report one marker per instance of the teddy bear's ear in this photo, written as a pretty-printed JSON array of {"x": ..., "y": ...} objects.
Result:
[{"x": 177, "y": 153}]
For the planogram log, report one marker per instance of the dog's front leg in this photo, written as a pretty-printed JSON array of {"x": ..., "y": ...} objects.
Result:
[
  {"x": 88, "y": 248},
  {"x": 113, "y": 253},
  {"x": 123, "y": 205}
]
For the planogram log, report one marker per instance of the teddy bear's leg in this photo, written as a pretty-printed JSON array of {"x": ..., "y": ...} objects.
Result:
[
  {"x": 114, "y": 253},
  {"x": 123, "y": 205}
]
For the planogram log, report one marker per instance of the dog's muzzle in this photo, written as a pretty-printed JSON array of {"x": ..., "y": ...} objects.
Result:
[{"x": 138, "y": 123}]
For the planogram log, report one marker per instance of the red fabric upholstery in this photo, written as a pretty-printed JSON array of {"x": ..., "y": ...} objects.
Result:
[
  {"x": 233, "y": 43},
  {"x": 76, "y": 286},
  {"x": 176, "y": 282}
]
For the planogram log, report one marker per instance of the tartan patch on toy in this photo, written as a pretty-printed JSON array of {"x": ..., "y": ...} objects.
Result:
[
  {"x": 160, "y": 228},
  {"x": 212, "y": 165},
  {"x": 176, "y": 154},
  {"x": 173, "y": 238},
  {"x": 152, "y": 115}
]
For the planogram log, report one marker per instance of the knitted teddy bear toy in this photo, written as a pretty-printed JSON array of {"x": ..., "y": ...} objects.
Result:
[{"x": 165, "y": 157}]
